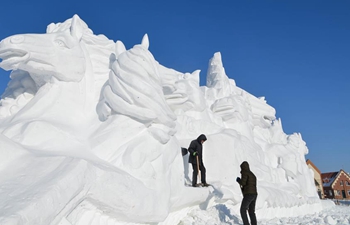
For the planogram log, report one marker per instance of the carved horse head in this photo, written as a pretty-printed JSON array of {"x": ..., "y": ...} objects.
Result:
[{"x": 57, "y": 53}]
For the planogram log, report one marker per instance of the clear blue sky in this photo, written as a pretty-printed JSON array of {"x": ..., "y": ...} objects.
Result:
[{"x": 295, "y": 53}]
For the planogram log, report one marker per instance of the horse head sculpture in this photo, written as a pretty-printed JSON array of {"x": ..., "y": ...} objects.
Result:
[{"x": 54, "y": 54}]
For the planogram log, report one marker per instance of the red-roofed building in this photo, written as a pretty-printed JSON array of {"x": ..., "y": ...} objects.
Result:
[
  {"x": 317, "y": 178},
  {"x": 336, "y": 185}
]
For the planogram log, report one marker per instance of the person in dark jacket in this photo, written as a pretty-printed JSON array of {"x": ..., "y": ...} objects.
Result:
[
  {"x": 250, "y": 194},
  {"x": 196, "y": 158}
]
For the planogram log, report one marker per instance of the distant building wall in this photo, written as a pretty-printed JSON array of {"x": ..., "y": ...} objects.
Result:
[
  {"x": 339, "y": 188},
  {"x": 317, "y": 178}
]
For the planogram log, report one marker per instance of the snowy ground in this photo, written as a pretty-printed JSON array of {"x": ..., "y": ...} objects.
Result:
[
  {"x": 341, "y": 202},
  {"x": 220, "y": 215}
]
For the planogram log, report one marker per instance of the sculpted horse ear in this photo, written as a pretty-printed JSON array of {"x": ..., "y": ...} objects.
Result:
[
  {"x": 76, "y": 29},
  {"x": 145, "y": 41},
  {"x": 119, "y": 48},
  {"x": 50, "y": 28},
  {"x": 195, "y": 76}
]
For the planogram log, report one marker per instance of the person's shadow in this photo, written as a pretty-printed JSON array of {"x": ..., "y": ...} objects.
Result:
[{"x": 185, "y": 156}]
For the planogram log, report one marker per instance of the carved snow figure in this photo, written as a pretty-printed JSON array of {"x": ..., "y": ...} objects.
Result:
[
  {"x": 182, "y": 91},
  {"x": 76, "y": 86},
  {"x": 90, "y": 133},
  {"x": 133, "y": 97},
  {"x": 138, "y": 93},
  {"x": 66, "y": 74}
]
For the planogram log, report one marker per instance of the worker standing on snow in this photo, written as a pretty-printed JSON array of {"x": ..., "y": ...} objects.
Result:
[
  {"x": 196, "y": 158},
  {"x": 250, "y": 194}
]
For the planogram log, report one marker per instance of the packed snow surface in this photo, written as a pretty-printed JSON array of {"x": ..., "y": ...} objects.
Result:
[{"x": 91, "y": 133}]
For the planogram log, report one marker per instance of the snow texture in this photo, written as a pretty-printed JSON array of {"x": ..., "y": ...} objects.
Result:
[{"x": 91, "y": 133}]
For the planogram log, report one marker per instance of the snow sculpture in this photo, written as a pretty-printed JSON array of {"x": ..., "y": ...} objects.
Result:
[
  {"x": 61, "y": 65},
  {"x": 182, "y": 91},
  {"x": 138, "y": 93},
  {"x": 140, "y": 126},
  {"x": 216, "y": 76},
  {"x": 97, "y": 131}
]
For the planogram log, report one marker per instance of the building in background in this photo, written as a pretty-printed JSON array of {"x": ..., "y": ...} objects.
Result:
[
  {"x": 336, "y": 185},
  {"x": 317, "y": 178}
]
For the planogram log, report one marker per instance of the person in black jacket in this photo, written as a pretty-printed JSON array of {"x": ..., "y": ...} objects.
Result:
[
  {"x": 196, "y": 158},
  {"x": 250, "y": 194}
]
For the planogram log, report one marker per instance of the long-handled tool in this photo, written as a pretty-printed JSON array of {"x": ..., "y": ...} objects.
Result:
[
  {"x": 240, "y": 186},
  {"x": 198, "y": 168}
]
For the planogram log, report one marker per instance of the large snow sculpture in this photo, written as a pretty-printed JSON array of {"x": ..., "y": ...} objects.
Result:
[{"x": 97, "y": 131}]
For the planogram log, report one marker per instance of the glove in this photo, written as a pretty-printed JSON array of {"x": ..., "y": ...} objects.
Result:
[
  {"x": 238, "y": 179},
  {"x": 194, "y": 153}
]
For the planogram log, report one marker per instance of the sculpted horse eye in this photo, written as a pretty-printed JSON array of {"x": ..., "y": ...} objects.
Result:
[{"x": 60, "y": 43}]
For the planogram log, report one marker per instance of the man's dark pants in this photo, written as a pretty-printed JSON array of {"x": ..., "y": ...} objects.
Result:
[
  {"x": 195, "y": 173},
  {"x": 248, "y": 203}
]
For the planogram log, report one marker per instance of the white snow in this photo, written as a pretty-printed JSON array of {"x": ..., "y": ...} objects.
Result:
[{"x": 91, "y": 133}]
